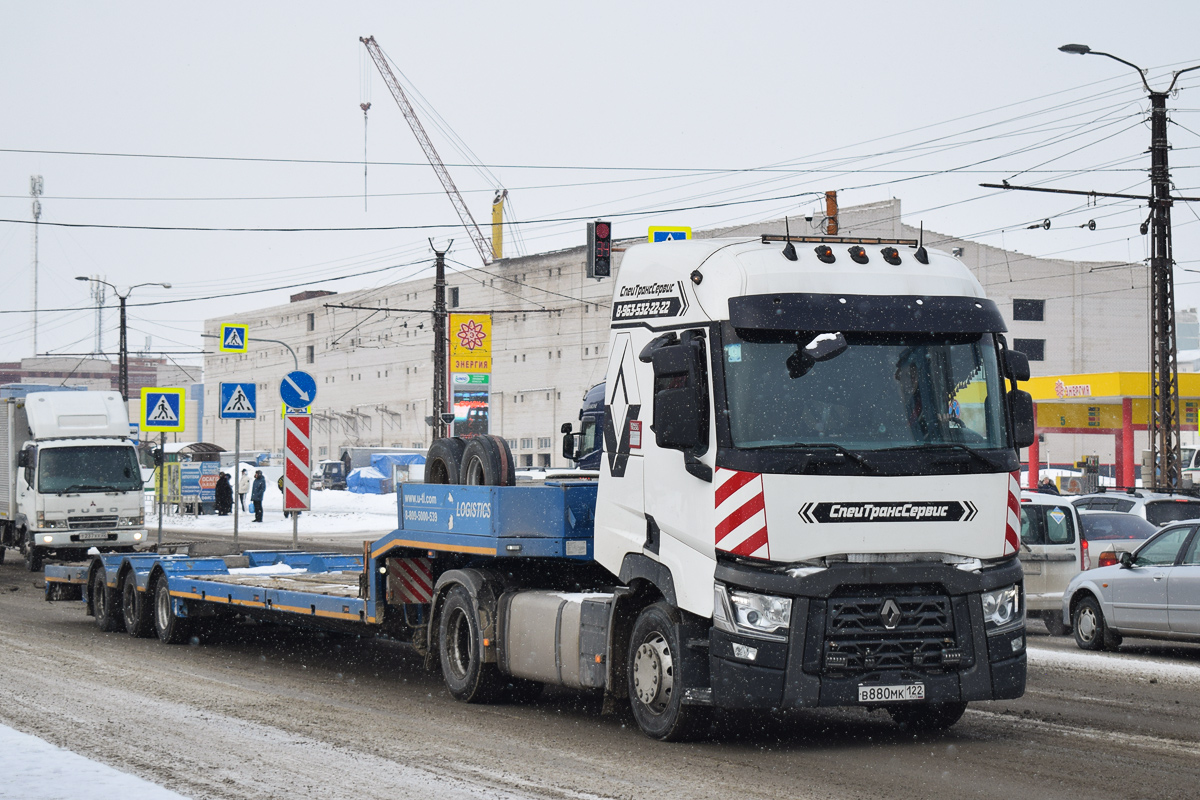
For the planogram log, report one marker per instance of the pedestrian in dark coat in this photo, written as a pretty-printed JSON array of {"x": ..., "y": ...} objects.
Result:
[
  {"x": 256, "y": 494},
  {"x": 224, "y": 495}
]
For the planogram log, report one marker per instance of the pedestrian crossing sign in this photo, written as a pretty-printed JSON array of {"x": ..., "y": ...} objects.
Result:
[
  {"x": 238, "y": 401},
  {"x": 234, "y": 338},
  {"x": 162, "y": 410},
  {"x": 670, "y": 234}
]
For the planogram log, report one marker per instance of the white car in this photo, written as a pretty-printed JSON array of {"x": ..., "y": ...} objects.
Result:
[
  {"x": 1107, "y": 534},
  {"x": 1053, "y": 551}
]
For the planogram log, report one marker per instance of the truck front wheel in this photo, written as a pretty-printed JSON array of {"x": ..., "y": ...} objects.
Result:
[
  {"x": 104, "y": 603},
  {"x": 927, "y": 716},
  {"x": 460, "y": 649},
  {"x": 655, "y": 681}
]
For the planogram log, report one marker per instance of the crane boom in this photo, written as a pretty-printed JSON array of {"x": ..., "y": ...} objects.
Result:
[{"x": 482, "y": 245}]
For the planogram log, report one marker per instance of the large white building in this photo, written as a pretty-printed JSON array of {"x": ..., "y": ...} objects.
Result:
[{"x": 374, "y": 368}]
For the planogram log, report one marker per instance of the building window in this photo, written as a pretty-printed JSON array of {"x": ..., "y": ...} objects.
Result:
[
  {"x": 512, "y": 444},
  {"x": 1034, "y": 349},
  {"x": 312, "y": 322},
  {"x": 543, "y": 443},
  {"x": 543, "y": 459},
  {"x": 454, "y": 297},
  {"x": 527, "y": 444},
  {"x": 1029, "y": 310},
  {"x": 527, "y": 460},
  {"x": 311, "y": 356}
]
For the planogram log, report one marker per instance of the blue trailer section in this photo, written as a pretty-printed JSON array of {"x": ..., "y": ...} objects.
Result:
[{"x": 551, "y": 521}]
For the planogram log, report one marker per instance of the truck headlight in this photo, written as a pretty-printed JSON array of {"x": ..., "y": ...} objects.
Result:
[
  {"x": 50, "y": 524},
  {"x": 131, "y": 522},
  {"x": 761, "y": 615},
  {"x": 1002, "y": 608}
]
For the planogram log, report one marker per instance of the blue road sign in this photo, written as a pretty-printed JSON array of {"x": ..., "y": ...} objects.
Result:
[
  {"x": 238, "y": 401},
  {"x": 234, "y": 338},
  {"x": 134, "y": 433},
  {"x": 162, "y": 409},
  {"x": 298, "y": 389}
]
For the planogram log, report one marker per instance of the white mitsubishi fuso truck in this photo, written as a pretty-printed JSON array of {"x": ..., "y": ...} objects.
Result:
[
  {"x": 807, "y": 496},
  {"x": 69, "y": 476}
]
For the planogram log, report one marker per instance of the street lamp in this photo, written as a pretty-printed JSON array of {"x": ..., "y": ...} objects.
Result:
[
  {"x": 123, "y": 363},
  {"x": 1165, "y": 457}
]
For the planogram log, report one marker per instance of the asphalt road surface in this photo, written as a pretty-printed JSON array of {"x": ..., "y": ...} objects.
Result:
[{"x": 268, "y": 712}]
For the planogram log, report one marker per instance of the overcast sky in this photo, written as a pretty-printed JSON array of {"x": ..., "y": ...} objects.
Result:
[{"x": 621, "y": 110}]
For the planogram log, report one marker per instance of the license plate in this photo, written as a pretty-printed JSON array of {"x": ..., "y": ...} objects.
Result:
[
  {"x": 891, "y": 694},
  {"x": 85, "y": 536}
]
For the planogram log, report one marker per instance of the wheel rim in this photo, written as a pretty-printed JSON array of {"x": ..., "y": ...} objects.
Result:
[
  {"x": 458, "y": 640},
  {"x": 1086, "y": 623},
  {"x": 654, "y": 673},
  {"x": 162, "y": 609},
  {"x": 100, "y": 598},
  {"x": 130, "y": 604},
  {"x": 473, "y": 474}
]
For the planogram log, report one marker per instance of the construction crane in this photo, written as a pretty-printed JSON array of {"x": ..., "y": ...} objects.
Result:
[{"x": 482, "y": 245}]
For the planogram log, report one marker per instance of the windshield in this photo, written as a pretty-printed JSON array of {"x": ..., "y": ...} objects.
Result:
[
  {"x": 88, "y": 469},
  {"x": 1106, "y": 527},
  {"x": 864, "y": 391},
  {"x": 587, "y": 435}
]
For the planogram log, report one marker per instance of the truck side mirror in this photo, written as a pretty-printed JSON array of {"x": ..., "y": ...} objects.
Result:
[
  {"x": 23, "y": 459},
  {"x": 1022, "y": 415},
  {"x": 568, "y": 442},
  {"x": 680, "y": 392},
  {"x": 1016, "y": 365}
]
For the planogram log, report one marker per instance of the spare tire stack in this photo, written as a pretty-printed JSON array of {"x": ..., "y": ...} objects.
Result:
[{"x": 474, "y": 461}]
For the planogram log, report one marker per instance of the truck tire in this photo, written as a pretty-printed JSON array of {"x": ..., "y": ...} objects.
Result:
[
  {"x": 1, "y": 554},
  {"x": 655, "y": 692},
  {"x": 444, "y": 461},
  {"x": 105, "y": 608},
  {"x": 460, "y": 650},
  {"x": 1091, "y": 632},
  {"x": 137, "y": 614},
  {"x": 927, "y": 716},
  {"x": 487, "y": 461},
  {"x": 170, "y": 628},
  {"x": 34, "y": 555}
]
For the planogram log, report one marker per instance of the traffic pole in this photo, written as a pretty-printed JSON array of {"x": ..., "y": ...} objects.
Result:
[
  {"x": 237, "y": 465},
  {"x": 162, "y": 467}
]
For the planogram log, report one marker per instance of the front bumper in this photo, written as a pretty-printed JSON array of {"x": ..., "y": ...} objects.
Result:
[
  {"x": 57, "y": 538},
  {"x": 836, "y": 644}
]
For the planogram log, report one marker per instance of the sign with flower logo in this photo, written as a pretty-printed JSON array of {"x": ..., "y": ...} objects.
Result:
[{"x": 470, "y": 343}]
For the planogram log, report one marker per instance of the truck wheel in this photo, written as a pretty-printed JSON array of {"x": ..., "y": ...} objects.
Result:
[
  {"x": 137, "y": 613},
  {"x": 170, "y": 628},
  {"x": 34, "y": 557},
  {"x": 444, "y": 461},
  {"x": 460, "y": 649},
  {"x": 104, "y": 603},
  {"x": 927, "y": 716},
  {"x": 1054, "y": 623},
  {"x": 655, "y": 691},
  {"x": 487, "y": 461},
  {"x": 1, "y": 554},
  {"x": 1090, "y": 630}
]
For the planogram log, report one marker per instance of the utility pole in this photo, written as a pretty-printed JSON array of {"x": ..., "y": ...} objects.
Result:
[
  {"x": 35, "y": 191},
  {"x": 439, "y": 342},
  {"x": 1163, "y": 424}
]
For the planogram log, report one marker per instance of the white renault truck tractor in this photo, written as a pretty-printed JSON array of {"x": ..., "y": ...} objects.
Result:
[{"x": 69, "y": 476}]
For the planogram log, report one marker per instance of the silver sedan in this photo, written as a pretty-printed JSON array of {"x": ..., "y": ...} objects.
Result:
[{"x": 1153, "y": 593}]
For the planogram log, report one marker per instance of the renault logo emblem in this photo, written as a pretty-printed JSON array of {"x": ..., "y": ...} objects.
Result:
[{"x": 889, "y": 615}]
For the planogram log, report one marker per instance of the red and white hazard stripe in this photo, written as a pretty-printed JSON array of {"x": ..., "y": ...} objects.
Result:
[
  {"x": 1012, "y": 524},
  {"x": 741, "y": 514},
  {"x": 297, "y": 472},
  {"x": 410, "y": 580}
]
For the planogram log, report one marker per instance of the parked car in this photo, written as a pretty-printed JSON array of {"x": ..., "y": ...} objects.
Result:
[
  {"x": 1157, "y": 508},
  {"x": 1107, "y": 534},
  {"x": 1052, "y": 553},
  {"x": 1152, "y": 593}
]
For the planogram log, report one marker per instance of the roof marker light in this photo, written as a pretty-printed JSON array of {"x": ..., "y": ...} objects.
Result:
[
  {"x": 891, "y": 255},
  {"x": 825, "y": 254},
  {"x": 858, "y": 255}
]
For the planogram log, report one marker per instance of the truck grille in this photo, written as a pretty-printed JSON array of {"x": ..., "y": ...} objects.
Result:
[
  {"x": 920, "y": 638},
  {"x": 77, "y": 523}
]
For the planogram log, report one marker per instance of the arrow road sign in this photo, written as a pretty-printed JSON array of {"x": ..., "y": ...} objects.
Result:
[
  {"x": 238, "y": 401},
  {"x": 162, "y": 409},
  {"x": 234, "y": 338},
  {"x": 298, "y": 389}
]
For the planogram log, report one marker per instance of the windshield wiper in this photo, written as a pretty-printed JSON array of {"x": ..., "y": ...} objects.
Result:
[
  {"x": 950, "y": 446},
  {"x": 86, "y": 487},
  {"x": 850, "y": 454}
]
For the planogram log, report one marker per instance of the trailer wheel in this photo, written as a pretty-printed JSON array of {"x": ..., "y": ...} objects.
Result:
[
  {"x": 104, "y": 603},
  {"x": 927, "y": 716},
  {"x": 487, "y": 461},
  {"x": 444, "y": 461},
  {"x": 460, "y": 649},
  {"x": 170, "y": 628},
  {"x": 137, "y": 613},
  {"x": 655, "y": 689}
]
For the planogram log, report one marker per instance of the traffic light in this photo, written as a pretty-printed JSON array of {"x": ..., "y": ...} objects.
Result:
[{"x": 599, "y": 259}]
